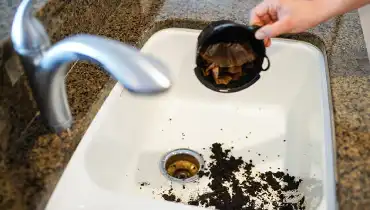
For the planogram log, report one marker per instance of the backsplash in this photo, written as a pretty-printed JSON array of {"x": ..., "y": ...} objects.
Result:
[{"x": 7, "y": 11}]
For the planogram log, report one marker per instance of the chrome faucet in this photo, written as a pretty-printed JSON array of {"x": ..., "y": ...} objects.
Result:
[{"x": 46, "y": 66}]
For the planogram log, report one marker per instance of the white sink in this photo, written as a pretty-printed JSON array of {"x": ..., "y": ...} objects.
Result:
[{"x": 130, "y": 134}]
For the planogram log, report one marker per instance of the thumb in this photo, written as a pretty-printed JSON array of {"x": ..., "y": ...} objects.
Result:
[{"x": 273, "y": 30}]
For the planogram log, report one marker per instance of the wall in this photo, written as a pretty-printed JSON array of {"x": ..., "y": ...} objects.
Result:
[
  {"x": 364, "y": 13},
  {"x": 7, "y": 10}
]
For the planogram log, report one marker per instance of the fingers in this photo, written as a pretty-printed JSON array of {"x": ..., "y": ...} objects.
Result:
[
  {"x": 262, "y": 15},
  {"x": 273, "y": 30},
  {"x": 267, "y": 42},
  {"x": 256, "y": 14},
  {"x": 255, "y": 19}
]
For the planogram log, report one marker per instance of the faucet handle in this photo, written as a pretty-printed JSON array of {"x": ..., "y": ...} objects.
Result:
[{"x": 27, "y": 33}]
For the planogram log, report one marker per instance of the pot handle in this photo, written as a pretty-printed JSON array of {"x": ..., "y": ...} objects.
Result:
[
  {"x": 268, "y": 63},
  {"x": 254, "y": 28}
]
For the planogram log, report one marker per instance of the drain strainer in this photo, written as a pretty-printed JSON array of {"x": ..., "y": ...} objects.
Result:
[{"x": 181, "y": 165}]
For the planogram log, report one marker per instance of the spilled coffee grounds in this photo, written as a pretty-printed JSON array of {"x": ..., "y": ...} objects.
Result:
[
  {"x": 233, "y": 185},
  {"x": 169, "y": 196}
]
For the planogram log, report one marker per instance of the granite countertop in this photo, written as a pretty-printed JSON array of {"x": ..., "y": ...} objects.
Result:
[{"x": 33, "y": 159}]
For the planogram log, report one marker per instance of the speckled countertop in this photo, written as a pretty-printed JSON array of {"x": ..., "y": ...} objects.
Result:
[{"x": 33, "y": 159}]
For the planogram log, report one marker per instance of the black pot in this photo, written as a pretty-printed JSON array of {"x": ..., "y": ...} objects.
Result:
[{"x": 230, "y": 32}]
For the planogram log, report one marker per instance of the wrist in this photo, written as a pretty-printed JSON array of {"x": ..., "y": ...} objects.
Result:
[{"x": 332, "y": 8}]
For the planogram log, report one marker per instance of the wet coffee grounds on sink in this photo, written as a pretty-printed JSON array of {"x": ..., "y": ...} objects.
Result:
[
  {"x": 234, "y": 185},
  {"x": 169, "y": 196}
]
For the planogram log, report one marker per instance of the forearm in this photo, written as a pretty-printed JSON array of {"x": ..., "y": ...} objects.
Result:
[{"x": 339, "y": 7}]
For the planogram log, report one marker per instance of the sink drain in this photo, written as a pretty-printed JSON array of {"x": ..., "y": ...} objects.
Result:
[{"x": 181, "y": 165}]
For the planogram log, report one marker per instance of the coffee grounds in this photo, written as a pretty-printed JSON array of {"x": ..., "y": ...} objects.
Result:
[
  {"x": 169, "y": 196},
  {"x": 144, "y": 184},
  {"x": 235, "y": 187}
]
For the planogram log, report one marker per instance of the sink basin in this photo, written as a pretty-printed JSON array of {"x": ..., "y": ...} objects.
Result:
[{"x": 282, "y": 122}]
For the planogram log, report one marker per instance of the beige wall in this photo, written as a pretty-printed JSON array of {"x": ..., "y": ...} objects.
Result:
[{"x": 365, "y": 23}]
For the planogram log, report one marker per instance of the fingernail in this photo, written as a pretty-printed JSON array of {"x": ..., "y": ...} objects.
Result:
[{"x": 260, "y": 35}]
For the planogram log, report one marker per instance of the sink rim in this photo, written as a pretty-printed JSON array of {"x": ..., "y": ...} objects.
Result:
[{"x": 329, "y": 97}]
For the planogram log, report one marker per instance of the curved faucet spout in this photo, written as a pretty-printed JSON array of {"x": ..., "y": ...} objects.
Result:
[
  {"x": 137, "y": 72},
  {"x": 27, "y": 33},
  {"x": 46, "y": 66}
]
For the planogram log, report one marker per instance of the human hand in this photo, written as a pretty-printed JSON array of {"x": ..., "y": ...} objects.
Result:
[{"x": 287, "y": 16}]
